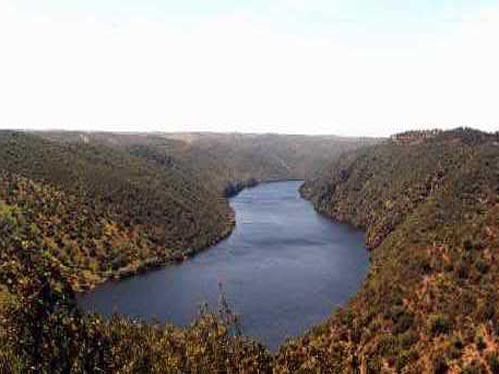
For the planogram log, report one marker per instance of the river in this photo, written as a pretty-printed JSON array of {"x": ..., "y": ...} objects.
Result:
[{"x": 284, "y": 269}]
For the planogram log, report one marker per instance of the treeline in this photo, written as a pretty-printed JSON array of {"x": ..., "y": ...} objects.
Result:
[
  {"x": 110, "y": 205},
  {"x": 226, "y": 161}
]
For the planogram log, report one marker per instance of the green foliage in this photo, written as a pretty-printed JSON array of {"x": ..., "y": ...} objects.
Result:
[
  {"x": 117, "y": 212},
  {"x": 475, "y": 367},
  {"x": 116, "y": 204},
  {"x": 404, "y": 359},
  {"x": 42, "y": 331},
  {"x": 480, "y": 343},
  {"x": 455, "y": 348},
  {"x": 438, "y": 325},
  {"x": 402, "y": 322}
]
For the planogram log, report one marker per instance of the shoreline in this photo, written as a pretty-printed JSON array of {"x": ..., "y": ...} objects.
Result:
[
  {"x": 271, "y": 348},
  {"x": 156, "y": 263}
]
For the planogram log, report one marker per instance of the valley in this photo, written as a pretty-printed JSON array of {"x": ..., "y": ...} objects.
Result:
[
  {"x": 284, "y": 269},
  {"x": 77, "y": 209}
]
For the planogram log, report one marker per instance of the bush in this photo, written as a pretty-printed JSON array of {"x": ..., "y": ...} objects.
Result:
[
  {"x": 405, "y": 358},
  {"x": 374, "y": 365},
  {"x": 439, "y": 325},
  {"x": 403, "y": 322},
  {"x": 482, "y": 266},
  {"x": 456, "y": 347}
]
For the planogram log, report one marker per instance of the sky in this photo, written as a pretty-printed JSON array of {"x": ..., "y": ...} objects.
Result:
[{"x": 344, "y": 67}]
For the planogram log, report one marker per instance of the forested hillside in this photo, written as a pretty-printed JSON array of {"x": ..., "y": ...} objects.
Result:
[
  {"x": 226, "y": 162},
  {"x": 114, "y": 204},
  {"x": 430, "y": 205},
  {"x": 42, "y": 330},
  {"x": 78, "y": 208},
  {"x": 103, "y": 211},
  {"x": 267, "y": 156}
]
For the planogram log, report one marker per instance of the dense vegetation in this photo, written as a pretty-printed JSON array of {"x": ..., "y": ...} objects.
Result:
[
  {"x": 241, "y": 160},
  {"x": 42, "y": 331},
  {"x": 103, "y": 211},
  {"x": 430, "y": 205},
  {"x": 78, "y": 208},
  {"x": 226, "y": 162}
]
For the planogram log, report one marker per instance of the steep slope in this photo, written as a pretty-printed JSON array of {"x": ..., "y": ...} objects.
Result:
[
  {"x": 115, "y": 204},
  {"x": 109, "y": 212},
  {"x": 430, "y": 205},
  {"x": 78, "y": 208},
  {"x": 42, "y": 330}
]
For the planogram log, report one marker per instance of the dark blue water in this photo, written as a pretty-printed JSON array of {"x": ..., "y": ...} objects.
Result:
[{"x": 283, "y": 269}]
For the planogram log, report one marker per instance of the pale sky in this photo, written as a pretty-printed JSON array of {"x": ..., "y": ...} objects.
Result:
[{"x": 346, "y": 67}]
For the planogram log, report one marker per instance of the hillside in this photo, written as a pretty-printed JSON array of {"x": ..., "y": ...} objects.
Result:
[
  {"x": 244, "y": 158},
  {"x": 227, "y": 162},
  {"x": 105, "y": 212},
  {"x": 110, "y": 205},
  {"x": 78, "y": 208},
  {"x": 42, "y": 330},
  {"x": 430, "y": 205}
]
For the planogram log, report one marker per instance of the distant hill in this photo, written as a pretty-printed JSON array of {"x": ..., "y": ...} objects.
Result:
[
  {"x": 292, "y": 156},
  {"x": 430, "y": 205},
  {"x": 228, "y": 161}
]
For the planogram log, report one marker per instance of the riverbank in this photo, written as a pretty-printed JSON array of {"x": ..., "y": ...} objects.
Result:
[
  {"x": 430, "y": 209},
  {"x": 76, "y": 208},
  {"x": 155, "y": 263},
  {"x": 283, "y": 270},
  {"x": 151, "y": 264}
]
